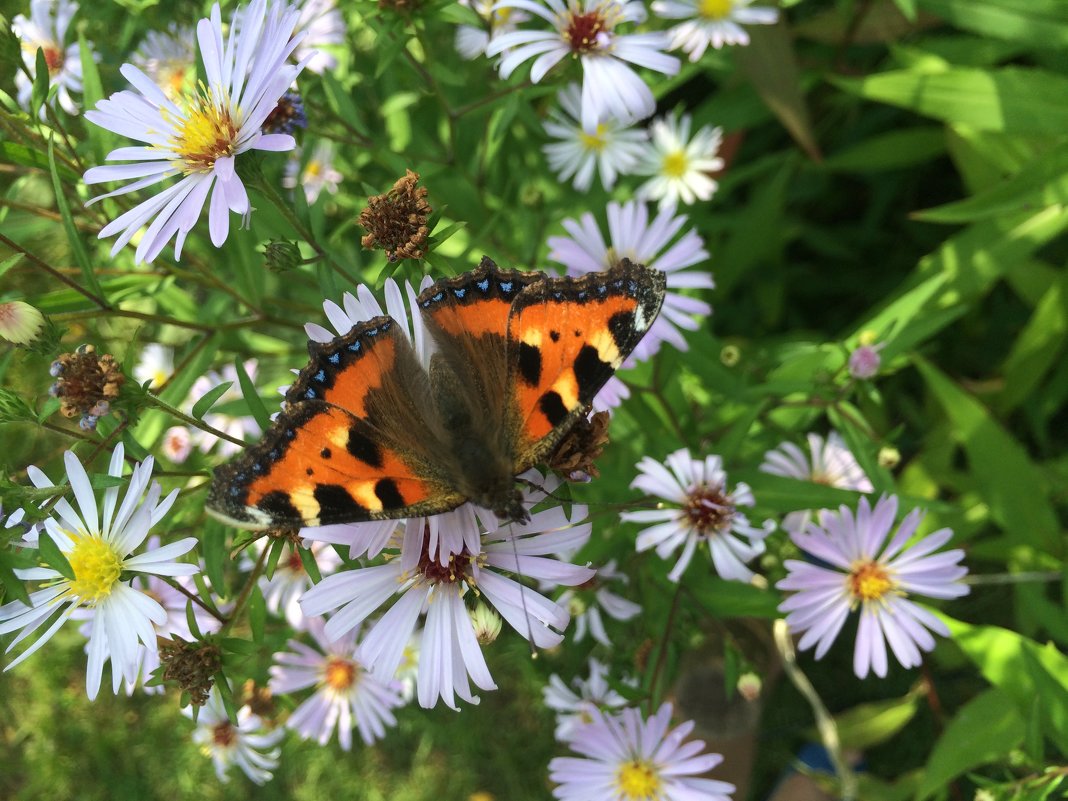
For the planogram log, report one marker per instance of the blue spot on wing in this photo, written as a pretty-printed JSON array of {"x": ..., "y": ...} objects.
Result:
[
  {"x": 483, "y": 285},
  {"x": 334, "y": 358},
  {"x": 320, "y": 376},
  {"x": 506, "y": 286},
  {"x": 459, "y": 292}
]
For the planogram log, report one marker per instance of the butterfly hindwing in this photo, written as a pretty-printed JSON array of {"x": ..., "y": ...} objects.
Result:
[{"x": 566, "y": 338}]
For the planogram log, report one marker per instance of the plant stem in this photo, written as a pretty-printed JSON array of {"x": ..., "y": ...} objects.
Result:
[
  {"x": 246, "y": 591},
  {"x": 48, "y": 268},
  {"x": 190, "y": 420},
  {"x": 662, "y": 654}
]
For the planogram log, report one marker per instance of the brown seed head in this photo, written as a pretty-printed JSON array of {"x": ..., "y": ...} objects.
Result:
[
  {"x": 396, "y": 222},
  {"x": 86, "y": 384},
  {"x": 574, "y": 456},
  {"x": 192, "y": 665}
]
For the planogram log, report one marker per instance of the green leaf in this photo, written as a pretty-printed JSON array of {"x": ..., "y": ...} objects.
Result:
[
  {"x": 310, "y": 565},
  {"x": 274, "y": 556},
  {"x": 81, "y": 255},
  {"x": 893, "y": 150},
  {"x": 23, "y": 156},
  {"x": 257, "y": 614},
  {"x": 53, "y": 557},
  {"x": 784, "y": 494},
  {"x": 191, "y": 621},
  {"x": 214, "y": 550},
  {"x": 209, "y": 398},
  {"x": 39, "y": 90},
  {"x": 721, "y": 598},
  {"x": 1011, "y": 99},
  {"x": 236, "y": 645},
  {"x": 340, "y": 101},
  {"x": 1038, "y": 347},
  {"x": 1043, "y": 23},
  {"x": 92, "y": 93},
  {"x": 248, "y": 391},
  {"x": 1053, "y": 711},
  {"x": 1012, "y": 486},
  {"x": 983, "y": 731},
  {"x": 13, "y": 586},
  {"x": 867, "y": 725}
]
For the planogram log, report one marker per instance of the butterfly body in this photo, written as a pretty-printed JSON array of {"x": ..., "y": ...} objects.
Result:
[{"x": 368, "y": 432}]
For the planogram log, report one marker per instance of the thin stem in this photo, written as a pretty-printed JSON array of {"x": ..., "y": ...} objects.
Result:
[
  {"x": 1035, "y": 576},
  {"x": 825, "y": 725},
  {"x": 662, "y": 654},
  {"x": 48, "y": 268},
  {"x": 246, "y": 591},
  {"x": 190, "y": 420},
  {"x": 195, "y": 599}
]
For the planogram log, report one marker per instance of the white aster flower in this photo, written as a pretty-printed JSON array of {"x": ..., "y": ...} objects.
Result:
[
  {"x": 588, "y": 601},
  {"x": 46, "y": 29},
  {"x": 177, "y": 444},
  {"x": 471, "y": 41},
  {"x": 290, "y": 580},
  {"x": 626, "y": 758},
  {"x": 680, "y": 165},
  {"x": 318, "y": 174},
  {"x": 712, "y": 22},
  {"x": 706, "y": 512},
  {"x": 245, "y": 743},
  {"x": 346, "y": 694},
  {"x": 169, "y": 58},
  {"x": 98, "y": 543},
  {"x": 155, "y": 366},
  {"x": 587, "y": 30},
  {"x": 859, "y": 568},
  {"x": 611, "y": 149},
  {"x": 653, "y": 244},
  {"x": 198, "y": 136},
  {"x": 237, "y": 427},
  {"x": 574, "y": 707},
  {"x": 831, "y": 464},
  {"x": 437, "y": 586},
  {"x": 322, "y": 25}
]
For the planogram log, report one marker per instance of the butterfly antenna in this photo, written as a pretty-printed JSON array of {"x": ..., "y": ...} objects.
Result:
[
  {"x": 522, "y": 593},
  {"x": 544, "y": 491}
]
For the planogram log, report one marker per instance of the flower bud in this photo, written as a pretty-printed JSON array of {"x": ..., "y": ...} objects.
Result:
[
  {"x": 20, "y": 322},
  {"x": 487, "y": 623}
]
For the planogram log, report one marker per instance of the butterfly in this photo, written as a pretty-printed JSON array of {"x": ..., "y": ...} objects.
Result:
[{"x": 366, "y": 433}]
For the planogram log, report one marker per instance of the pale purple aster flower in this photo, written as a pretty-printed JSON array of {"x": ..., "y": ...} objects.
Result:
[
  {"x": 419, "y": 583},
  {"x": 282, "y": 590},
  {"x": 856, "y": 570},
  {"x": 177, "y": 444},
  {"x": 237, "y": 427},
  {"x": 200, "y": 135},
  {"x": 626, "y": 758},
  {"x": 46, "y": 29},
  {"x": 712, "y": 22},
  {"x": 169, "y": 58},
  {"x": 316, "y": 175},
  {"x": 587, "y": 602},
  {"x": 829, "y": 462},
  {"x": 611, "y": 149},
  {"x": 320, "y": 23},
  {"x": 244, "y": 742},
  {"x": 98, "y": 542},
  {"x": 587, "y": 29},
  {"x": 155, "y": 367},
  {"x": 706, "y": 512},
  {"x": 680, "y": 165},
  {"x": 346, "y": 694},
  {"x": 574, "y": 707},
  {"x": 471, "y": 41},
  {"x": 655, "y": 244}
]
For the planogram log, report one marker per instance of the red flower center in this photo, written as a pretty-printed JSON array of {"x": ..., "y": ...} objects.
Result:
[
  {"x": 435, "y": 572},
  {"x": 53, "y": 59},
  {"x": 709, "y": 510},
  {"x": 583, "y": 29},
  {"x": 223, "y": 734}
]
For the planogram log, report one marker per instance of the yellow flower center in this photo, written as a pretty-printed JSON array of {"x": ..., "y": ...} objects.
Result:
[
  {"x": 96, "y": 568},
  {"x": 675, "y": 164},
  {"x": 313, "y": 169},
  {"x": 869, "y": 581},
  {"x": 205, "y": 133},
  {"x": 340, "y": 674},
  {"x": 596, "y": 140},
  {"x": 715, "y": 9},
  {"x": 638, "y": 780},
  {"x": 501, "y": 16}
]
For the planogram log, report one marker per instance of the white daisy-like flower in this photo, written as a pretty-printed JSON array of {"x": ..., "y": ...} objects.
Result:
[
  {"x": 200, "y": 135},
  {"x": 318, "y": 174},
  {"x": 587, "y": 29},
  {"x": 177, "y": 444},
  {"x": 346, "y": 694},
  {"x": 588, "y": 601},
  {"x": 574, "y": 707},
  {"x": 46, "y": 29},
  {"x": 858, "y": 568},
  {"x": 653, "y": 244},
  {"x": 704, "y": 512},
  {"x": 424, "y": 584},
  {"x": 98, "y": 542},
  {"x": 471, "y": 41},
  {"x": 626, "y": 758},
  {"x": 169, "y": 58},
  {"x": 20, "y": 322},
  {"x": 282, "y": 590},
  {"x": 321, "y": 24},
  {"x": 237, "y": 427},
  {"x": 244, "y": 742},
  {"x": 156, "y": 365},
  {"x": 712, "y": 22},
  {"x": 611, "y": 149},
  {"x": 830, "y": 463},
  {"x": 678, "y": 163},
  {"x": 30, "y": 532}
]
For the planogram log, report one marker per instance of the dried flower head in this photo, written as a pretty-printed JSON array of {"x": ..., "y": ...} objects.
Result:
[
  {"x": 192, "y": 665},
  {"x": 573, "y": 458},
  {"x": 397, "y": 220},
  {"x": 287, "y": 116},
  {"x": 86, "y": 384},
  {"x": 258, "y": 698}
]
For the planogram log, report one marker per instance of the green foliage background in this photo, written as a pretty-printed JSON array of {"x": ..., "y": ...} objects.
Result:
[{"x": 895, "y": 166}]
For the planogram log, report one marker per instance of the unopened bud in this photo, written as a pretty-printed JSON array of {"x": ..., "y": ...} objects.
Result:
[
  {"x": 487, "y": 624},
  {"x": 864, "y": 362},
  {"x": 749, "y": 686},
  {"x": 20, "y": 322},
  {"x": 281, "y": 255},
  {"x": 730, "y": 355},
  {"x": 889, "y": 457}
]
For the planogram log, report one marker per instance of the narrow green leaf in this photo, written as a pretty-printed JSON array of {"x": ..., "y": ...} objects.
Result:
[
  {"x": 257, "y": 614},
  {"x": 23, "y": 156},
  {"x": 236, "y": 645},
  {"x": 722, "y": 598},
  {"x": 1012, "y": 486},
  {"x": 983, "y": 731},
  {"x": 214, "y": 550},
  {"x": 310, "y": 565},
  {"x": 39, "y": 90},
  {"x": 274, "y": 556},
  {"x": 77, "y": 246},
  {"x": 340, "y": 102},
  {"x": 784, "y": 494},
  {"x": 1038, "y": 347},
  {"x": 222, "y": 686},
  {"x": 13, "y": 586},
  {"x": 191, "y": 621},
  {"x": 1054, "y": 708},
  {"x": 248, "y": 390},
  {"x": 870, "y": 724},
  {"x": 893, "y": 150},
  {"x": 92, "y": 93},
  {"x": 1011, "y": 99},
  {"x": 53, "y": 557},
  {"x": 1043, "y": 23},
  {"x": 209, "y": 398}
]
